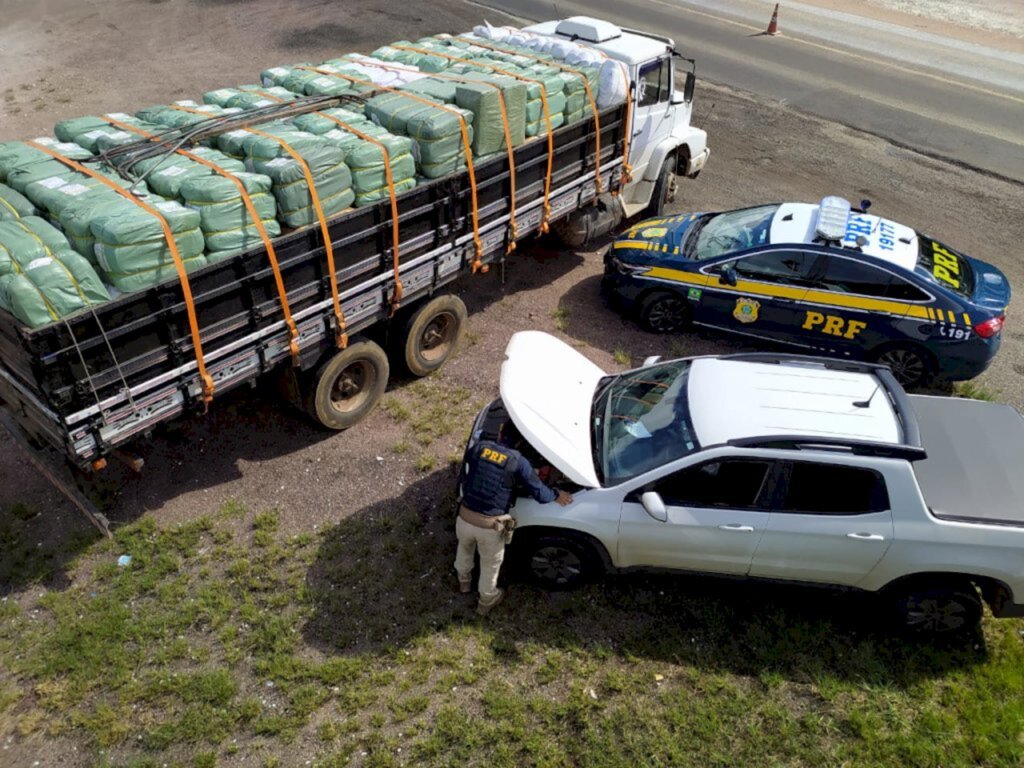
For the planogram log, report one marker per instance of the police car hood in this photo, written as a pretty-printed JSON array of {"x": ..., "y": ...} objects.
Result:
[{"x": 548, "y": 390}]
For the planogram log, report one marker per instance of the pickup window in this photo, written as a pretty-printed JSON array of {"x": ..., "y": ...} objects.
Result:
[
  {"x": 830, "y": 489},
  {"x": 655, "y": 85},
  {"x": 726, "y": 484}
]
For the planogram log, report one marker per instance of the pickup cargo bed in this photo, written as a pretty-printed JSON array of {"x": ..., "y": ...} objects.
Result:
[{"x": 973, "y": 472}]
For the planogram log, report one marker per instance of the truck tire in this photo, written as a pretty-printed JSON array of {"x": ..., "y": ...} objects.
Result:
[
  {"x": 944, "y": 609},
  {"x": 664, "y": 312},
  {"x": 348, "y": 386},
  {"x": 911, "y": 365},
  {"x": 664, "y": 189},
  {"x": 432, "y": 334},
  {"x": 558, "y": 562}
]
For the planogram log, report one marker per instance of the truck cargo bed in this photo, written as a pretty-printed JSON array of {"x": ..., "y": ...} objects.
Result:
[{"x": 94, "y": 380}]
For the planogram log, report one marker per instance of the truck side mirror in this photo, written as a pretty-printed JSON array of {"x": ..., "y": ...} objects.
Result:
[
  {"x": 688, "y": 86},
  {"x": 654, "y": 506}
]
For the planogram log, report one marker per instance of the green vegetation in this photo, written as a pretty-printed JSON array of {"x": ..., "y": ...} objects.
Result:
[
  {"x": 975, "y": 391},
  {"x": 561, "y": 318},
  {"x": 227, "y": 638},
  {"x": 621, "y": 356}
]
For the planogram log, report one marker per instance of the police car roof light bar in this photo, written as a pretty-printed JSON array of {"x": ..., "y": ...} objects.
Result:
[{"x": 833, "y": 213}]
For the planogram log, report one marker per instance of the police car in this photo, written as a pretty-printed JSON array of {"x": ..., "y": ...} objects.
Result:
[{"x": 827, "y": 278}]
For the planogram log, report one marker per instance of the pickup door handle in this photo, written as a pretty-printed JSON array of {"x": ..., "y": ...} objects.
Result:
[
  {"x": 737, "y": 528},
  {"x": 866, "y": 536}
]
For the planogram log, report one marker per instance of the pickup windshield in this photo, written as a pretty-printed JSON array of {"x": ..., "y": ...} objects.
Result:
[
  {"x": 723, "y": 233},
  {"x": 641, "y": 420}
]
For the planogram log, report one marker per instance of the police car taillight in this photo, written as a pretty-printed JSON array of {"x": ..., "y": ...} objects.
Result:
[
  {"x": 990, "y": 328},
  {"x": 833, "y": 213}
]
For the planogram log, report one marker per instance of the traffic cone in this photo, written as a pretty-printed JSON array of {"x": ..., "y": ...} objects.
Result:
[{"x": 773, "y": 25}]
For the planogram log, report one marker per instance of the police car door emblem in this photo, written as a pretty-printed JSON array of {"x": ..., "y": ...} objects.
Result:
[{"x": 746, "y": 310}]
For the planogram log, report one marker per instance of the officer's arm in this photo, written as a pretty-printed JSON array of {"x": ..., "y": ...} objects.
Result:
[{"x": 538, "y": 490}]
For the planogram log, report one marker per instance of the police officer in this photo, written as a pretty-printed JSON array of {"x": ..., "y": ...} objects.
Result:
[{"x": 493, "y": 471}]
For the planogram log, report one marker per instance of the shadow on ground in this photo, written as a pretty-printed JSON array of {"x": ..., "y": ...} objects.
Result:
[{"x": 382, "y": 579}]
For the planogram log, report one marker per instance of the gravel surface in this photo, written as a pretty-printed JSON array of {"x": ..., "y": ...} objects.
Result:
[{"x": 63, "y": 59}]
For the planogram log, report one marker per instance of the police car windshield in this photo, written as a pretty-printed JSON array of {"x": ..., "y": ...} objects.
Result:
[
  {"x": 724, "y": 233},
  {"x": 641, "y": 420}
]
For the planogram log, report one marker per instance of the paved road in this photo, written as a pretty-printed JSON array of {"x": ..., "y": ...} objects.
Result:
[{"x": 943, "y": 96}]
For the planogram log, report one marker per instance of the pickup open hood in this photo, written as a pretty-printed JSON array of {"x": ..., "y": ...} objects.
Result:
[{"x": 548, "y": 390}]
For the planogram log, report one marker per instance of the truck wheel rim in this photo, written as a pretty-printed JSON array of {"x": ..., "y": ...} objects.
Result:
[
  {"x": 931, "y": 615},
  {"x": 906, "y": 365},
  {"x": 353, "y": 386},
  {"x": 558, "y": 565},
  {"x": 666, "y": 315},
  {"x": 436, "y": 339}
]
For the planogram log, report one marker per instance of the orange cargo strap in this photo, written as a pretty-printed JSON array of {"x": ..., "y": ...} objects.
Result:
[
  {"x": 186, "y": 289},
  {"x": 513, "y": 229},
  {"x": 293, "y": 344},
  {"x": 477, "y": 243},
  {"x": 586, "y": 86},
  {"x": 339, "y": 316},
  {"x": 627, "y": 169},
  {"x": 547, "y": 118}
]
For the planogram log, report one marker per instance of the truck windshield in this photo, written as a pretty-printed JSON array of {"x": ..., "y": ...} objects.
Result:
[
  {"x": 641, "y": 420},
  {"x": 724, "y": 233}
]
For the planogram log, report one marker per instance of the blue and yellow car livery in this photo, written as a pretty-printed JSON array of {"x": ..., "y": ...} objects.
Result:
[{"x": 826, "y": 278}]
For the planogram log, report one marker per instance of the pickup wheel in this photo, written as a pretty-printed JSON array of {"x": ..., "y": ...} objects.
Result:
[
  {"x": 943, "y": 609},
  {"x": 432, "y": 334},
  {"x": 664, "y": 189},
  {"x": 664, "y": 312},
  {"x": 558, "y": 562},
  {"x": 348, "y": 386}
]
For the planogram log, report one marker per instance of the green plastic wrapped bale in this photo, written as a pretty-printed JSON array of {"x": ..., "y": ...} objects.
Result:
[
  {"x": 439, "y": 148},
  {"x": 535, "y": 108},
  {"x": 277, "y": 75},
  {"x": 18, "y": 155},
  {"x": 14, "y": 205},
  {"x": 167, "y": 173},
  {"x": 140, "y": 280},
  {"x": 129, "y": 239},
  {"x": 248, "y": 96},
  {"x": 319, "y": 123},
  {"x": 433, "y": 88},
  {"x": 55, "y": 192},
  {"x": 269, "y": 146},
  {"x": 51, "y": 287},
  {"x": 27, "y": 239},
  {"x": 366, "y": 161},
  {"x": 326, "y": 164},
  {"x": 224, "y": 217},
  {"x": 183, "y": 113},
  {"x": 540, "y": 128},
  {"x": 98, "y": 133},
  {"x": 484, "y": 100}
]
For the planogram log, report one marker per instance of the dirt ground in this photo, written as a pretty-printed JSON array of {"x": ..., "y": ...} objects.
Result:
[{"x": 64, "y": 58}]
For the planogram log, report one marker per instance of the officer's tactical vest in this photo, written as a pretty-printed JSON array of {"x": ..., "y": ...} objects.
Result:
[{"x": 491, "y": 478}]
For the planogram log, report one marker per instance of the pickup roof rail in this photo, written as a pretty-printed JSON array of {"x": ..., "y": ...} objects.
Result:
[{"x": 856, "y": 447}]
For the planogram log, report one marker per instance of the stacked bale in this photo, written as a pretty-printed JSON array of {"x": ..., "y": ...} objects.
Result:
[
  {"x": 183, "y": 113},
  {"x": 41, "y": 278},
  {"x": 227, "y": 225},
  {"x": 482, "y": 95},
  {"x": 99, "y": 133},
  {"x": 166, "y": 173},
  {"x": 248, "y": 96},
  {"x": 14, "y": 205},
  {"x": 326, "y": 163},
  {"x": 436, "y": 132}
]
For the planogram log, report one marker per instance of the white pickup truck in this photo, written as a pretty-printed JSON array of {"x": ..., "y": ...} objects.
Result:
[{"x": 769, "y": 466}]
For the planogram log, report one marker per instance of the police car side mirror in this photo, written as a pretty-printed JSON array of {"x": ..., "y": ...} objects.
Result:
[
  {"x": 653, "y": 505},
  {"x": 728, "y": 275}
]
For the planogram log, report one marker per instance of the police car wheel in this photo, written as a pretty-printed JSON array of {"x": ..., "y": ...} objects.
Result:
[
  {"x": 910, "y": 366},
  {"x": 557, "y": 562},
  {"x": 348, "y": 386},
  {"x": 664, "y": 312},
  {"x": 432, "y": 334}
]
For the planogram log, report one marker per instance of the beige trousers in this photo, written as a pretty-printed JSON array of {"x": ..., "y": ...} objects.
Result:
[{"x": 490, "y": 543}]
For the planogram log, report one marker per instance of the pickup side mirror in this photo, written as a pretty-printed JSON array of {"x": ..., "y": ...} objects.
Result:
[
  {"x": 654, "y": 506},
  {"x": 651, "y": 360},
  {"x": 728, "y": 274}
]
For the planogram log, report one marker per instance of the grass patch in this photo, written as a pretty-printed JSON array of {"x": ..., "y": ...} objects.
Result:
[
  {"x": 561, "y": 317},
  {"x": 347, "y": 646},
  {"x": 975, "y": 391},
  {"x": 622, "y": 357}
]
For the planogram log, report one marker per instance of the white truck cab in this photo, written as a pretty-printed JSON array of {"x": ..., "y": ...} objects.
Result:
[{"x": 663, "y": 143}]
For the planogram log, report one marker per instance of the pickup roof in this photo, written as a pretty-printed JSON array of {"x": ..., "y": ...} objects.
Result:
[{"x": 769, "y": 466}]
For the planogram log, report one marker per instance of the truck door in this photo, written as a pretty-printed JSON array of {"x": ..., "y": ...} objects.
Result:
[
  {"x": 653, "y": 114},
  {"x": 716, "y": 513},
  {"x": 830, "y": 523}
]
